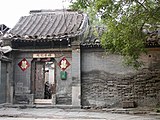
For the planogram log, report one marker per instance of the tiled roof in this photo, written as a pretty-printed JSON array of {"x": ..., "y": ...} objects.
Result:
[
  {"x": 3, "y": 29},
  {"x": 93, "y": 36},
  {"x": 45, "y": 24},
  {"x": 95, "y": 33},
  {"x": 153, "y": 39}
]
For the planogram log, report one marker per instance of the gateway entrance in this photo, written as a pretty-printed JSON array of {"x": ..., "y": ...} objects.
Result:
[{"x": 44, "y": 81}]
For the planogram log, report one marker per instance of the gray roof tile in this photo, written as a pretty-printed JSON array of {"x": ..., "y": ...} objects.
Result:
[{"x": 49, "y": 23}]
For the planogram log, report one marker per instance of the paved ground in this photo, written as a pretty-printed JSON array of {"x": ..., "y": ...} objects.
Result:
[{"x": 67, "y": 114}]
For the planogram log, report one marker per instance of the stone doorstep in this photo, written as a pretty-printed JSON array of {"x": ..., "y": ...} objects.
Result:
[{"x": 43, "y": 101}]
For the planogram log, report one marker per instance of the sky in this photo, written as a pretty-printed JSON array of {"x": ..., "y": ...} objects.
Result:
[{"x": 12, "y": 10}]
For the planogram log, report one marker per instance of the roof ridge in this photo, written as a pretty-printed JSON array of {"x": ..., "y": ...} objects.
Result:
[{"x": 53, "y": 11}]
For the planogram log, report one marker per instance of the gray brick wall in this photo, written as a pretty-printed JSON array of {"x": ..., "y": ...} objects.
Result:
[
  {"x": 143, "y": 88},
  {"x": 107, "y": 83},
  {"x": 99, "y": 89},
  {"x": 22, "y": 79},
  {"x": 63, "y": 87},
  {"x": 3, "y": 82}
]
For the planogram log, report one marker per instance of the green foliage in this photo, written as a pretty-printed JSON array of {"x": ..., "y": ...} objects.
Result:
[{"x": 125, "y": 21}]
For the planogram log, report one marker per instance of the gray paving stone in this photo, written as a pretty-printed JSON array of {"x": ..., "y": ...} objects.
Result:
[{"x": 54, "y": 113}]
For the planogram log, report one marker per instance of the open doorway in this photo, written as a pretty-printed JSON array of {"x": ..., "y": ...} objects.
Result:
[
  {"x": 49, "y": 80},
  {"x": 44, "y": 81}
]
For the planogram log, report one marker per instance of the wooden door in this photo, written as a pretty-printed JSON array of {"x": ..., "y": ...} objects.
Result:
[{"x": 39, "y": 80}]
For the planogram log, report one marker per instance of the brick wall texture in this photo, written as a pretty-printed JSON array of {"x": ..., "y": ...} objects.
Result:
[{"x": 108, "y": 83}]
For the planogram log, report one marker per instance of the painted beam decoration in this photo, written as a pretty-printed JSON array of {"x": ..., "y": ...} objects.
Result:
[
  {"x": 23, "y": 64},
  {"x": 63, "y": 63}
]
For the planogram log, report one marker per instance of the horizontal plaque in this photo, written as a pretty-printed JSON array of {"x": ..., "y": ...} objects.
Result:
[{"x": 43, "y": 55}]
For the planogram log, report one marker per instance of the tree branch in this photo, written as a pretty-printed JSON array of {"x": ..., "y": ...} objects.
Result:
[{"x": 142, "y": 5}]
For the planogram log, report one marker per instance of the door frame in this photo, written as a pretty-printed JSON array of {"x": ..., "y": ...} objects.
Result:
[{"x": 33, "y": 75}]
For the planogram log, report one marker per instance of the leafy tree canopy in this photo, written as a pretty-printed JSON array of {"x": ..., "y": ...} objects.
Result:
[{"x": 125, "y": 21}]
